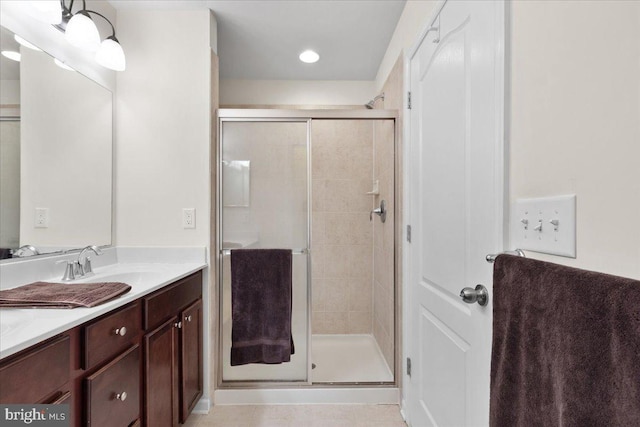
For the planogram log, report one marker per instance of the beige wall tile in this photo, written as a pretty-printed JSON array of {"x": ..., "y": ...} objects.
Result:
[
  {"x": 360, "y": 322},
  {"x": 336, "y": 261}
]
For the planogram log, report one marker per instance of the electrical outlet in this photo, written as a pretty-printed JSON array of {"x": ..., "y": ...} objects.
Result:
[
  {"x": 189, "y": 218},
  {"x": 41, "y": 218}
]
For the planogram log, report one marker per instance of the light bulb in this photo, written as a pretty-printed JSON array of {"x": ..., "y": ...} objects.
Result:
[
  {"x": 111, "y": 55},
  {"x": 82, "y": 32}
]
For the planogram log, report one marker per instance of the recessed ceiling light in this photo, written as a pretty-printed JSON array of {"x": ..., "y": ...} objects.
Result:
[
  {"x": 25, "y": 43},
  {"x": 309, "y": 56},
  {"x": 15, "y": 56}
]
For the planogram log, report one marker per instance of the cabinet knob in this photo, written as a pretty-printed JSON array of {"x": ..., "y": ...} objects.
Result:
[
  {"x": 122, "y": 332},
  {"x": 122, "y": 396},
  {"x": 177, "y": 325},
  {"x": 188, "y": 318}
]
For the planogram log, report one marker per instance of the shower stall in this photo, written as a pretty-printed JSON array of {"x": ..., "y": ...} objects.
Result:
[{"x": 322, "y": 184}]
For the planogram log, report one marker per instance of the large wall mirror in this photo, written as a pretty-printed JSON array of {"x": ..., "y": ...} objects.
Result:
[{"x": 55, "y": 154}]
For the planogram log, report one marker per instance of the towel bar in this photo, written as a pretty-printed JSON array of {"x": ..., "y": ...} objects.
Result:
[
  {"x": 293, "y": 251},
  {"x": 492, "y": 257}
]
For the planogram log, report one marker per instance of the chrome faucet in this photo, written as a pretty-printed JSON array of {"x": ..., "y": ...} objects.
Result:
[
  {"x": 84, "y": 268},
  {"x": 20, "y": 252}
]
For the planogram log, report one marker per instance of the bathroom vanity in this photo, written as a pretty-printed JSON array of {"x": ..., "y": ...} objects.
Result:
[{"x": 136, "y": 360}]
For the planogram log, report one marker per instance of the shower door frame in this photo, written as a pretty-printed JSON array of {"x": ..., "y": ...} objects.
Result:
[{"x": 262, "y": 115}]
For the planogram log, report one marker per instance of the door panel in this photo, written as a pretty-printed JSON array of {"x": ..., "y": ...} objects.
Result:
[{"x": 456, "y": 191}]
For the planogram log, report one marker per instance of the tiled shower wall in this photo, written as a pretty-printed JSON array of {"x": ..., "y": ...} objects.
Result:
[{"x": 342, "y": 238}]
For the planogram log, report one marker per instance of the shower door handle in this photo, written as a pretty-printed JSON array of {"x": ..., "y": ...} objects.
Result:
[{"x": 480, "y": 295}]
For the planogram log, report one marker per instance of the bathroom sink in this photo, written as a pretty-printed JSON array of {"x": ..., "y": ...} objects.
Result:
[{"x": 130, "y": 277}]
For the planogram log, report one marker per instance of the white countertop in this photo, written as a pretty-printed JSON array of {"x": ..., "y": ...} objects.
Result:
[{"x": 22, "y": 328}]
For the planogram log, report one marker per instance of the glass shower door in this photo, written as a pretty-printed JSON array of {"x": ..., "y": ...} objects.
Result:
[{"x": 264, "y": 204}]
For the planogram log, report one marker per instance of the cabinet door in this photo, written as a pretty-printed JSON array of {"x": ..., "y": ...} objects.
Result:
[
  {"x": 113, "y": 392},
  {"x": 161, "y": 375},
  {"x": 191, "y": 358}
]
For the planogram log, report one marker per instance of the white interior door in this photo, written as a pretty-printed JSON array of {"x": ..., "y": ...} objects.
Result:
[{"x": 456, "y": 195}]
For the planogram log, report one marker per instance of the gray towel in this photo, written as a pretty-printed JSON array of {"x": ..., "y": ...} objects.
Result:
[
  {"x": 62, "y": 295},
  {"x": 566, "y": 346},
  {"x": 261, "y": 306}
]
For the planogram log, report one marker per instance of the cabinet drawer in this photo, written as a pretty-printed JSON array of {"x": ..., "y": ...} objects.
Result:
[
  {"x": 39, "y": 373},
  {"x": 107, "y": 403},
  {"x": 111, "y": 335},
  {"x": 167, "y": 302}
]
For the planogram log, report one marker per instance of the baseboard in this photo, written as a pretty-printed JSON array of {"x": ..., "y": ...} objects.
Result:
[
  {"x": 202, "y": 407},
  {"x": 308, "y": 396}
]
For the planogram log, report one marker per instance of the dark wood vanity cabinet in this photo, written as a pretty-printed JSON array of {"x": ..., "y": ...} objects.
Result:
[
  {"x": 140, "y": 364},
  {"x": 173, "y": 352},
  {"x": 40, "y": 374}
]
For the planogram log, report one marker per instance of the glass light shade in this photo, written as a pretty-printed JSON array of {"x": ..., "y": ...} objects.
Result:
[
  {"x": 48, "y": 11},
  {"x": 82, "y": 32},
  {"x": 111, "y": 55}
]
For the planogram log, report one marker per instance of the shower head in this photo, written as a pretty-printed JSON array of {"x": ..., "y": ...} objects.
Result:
[{"x": 369, "y": 105}]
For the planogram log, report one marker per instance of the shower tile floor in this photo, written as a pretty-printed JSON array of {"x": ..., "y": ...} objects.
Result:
[
  {"x": 348, "y": 358},
  {"x": 300, "y": 416}
]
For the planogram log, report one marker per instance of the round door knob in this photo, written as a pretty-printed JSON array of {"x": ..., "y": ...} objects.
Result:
[
  {"x": 479, "y": 295},
  {"x": 121, "y": 331},
  {"x": 188, "y": 318},
  {"x": 122, "y": 396}
]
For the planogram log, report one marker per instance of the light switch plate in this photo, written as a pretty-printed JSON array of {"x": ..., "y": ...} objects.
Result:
[{"x": 546, "y": 225}]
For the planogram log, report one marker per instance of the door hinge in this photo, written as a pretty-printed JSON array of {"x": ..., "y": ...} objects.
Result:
[
  {"x": 409, "y": 233},
  {"x": 408, "y": 366},
  {"x": 409, "y": 100}
]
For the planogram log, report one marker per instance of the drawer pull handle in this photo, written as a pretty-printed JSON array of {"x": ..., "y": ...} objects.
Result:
[
  {"x": 122, "y": 396},
  {"x": 188, "y": 318},
  {"x": 178, "y": 325},
  {"x": 121, "y": 331}
]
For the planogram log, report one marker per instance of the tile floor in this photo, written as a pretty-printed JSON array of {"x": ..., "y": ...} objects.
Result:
[{"x": 300, "y": 416}]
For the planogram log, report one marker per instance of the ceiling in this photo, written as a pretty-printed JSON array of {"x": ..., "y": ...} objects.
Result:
[{"x": 262, "y": 39}]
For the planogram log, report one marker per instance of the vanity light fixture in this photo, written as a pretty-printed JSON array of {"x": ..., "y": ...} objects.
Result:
[
  {"x": 81, "y": 31},
  {"x": 11, "y": 54},
  {"x": 25, "y": 43},
  {"x": 309, "y": 56}
]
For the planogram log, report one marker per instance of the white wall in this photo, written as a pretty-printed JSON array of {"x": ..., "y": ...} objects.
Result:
[
  {"x": 575, "y": 121},
  {"x": 412, "y": 22},
  {"x": 15, "y": 17},
  {"x": 65, "y": 152},
  {"x": 163, "y": 128},
  {"x": 10, "y": 92},
  {"x": 9, "y": 184},
  {"x": 295, "y": 92}
]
